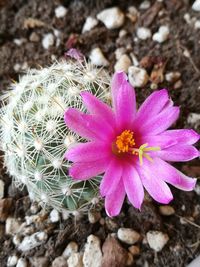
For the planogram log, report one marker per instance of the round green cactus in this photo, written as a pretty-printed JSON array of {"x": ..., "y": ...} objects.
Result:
[{"x": 34, "y": 137}]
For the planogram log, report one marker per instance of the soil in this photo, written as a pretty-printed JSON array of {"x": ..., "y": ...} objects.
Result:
[{"x": 179, "y": 53}]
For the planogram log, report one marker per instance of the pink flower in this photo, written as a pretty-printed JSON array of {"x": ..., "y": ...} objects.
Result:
[{"x": 131, "y": 147}]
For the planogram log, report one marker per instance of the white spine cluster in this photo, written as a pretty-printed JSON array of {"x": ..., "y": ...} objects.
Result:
[{"x": 34, "y": 137}]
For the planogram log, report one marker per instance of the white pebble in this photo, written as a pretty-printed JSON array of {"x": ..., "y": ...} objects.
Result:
[
  {"x": 119, "y": 52},
  {"x": 12, "y": 261},
  {"x": 197, "y": 24},
  {"x": 12, "y": 226},
  {"x": 92, "y": 256},
  {"x": 157, "y": 240},
  {"x": 128, "y": 236},
  {"x": 30, "y": 242},
  {"x": 54, "y": 216},
  {"x": 89, "y": 24},
  {"x": 138, "y": 77},
  {"x": 2, "y": 185},
  {"x": 97, "y": 57},
  {"x": 194, "y": 119},
  {"x": 172, "y": 76},
  {"x": 162, "y": 34},
  {"x": 60, "y": 11},
  {"x": 123, "y": 63},
  {"x": 75, "y": 260},
  {"x": 59, "y": 262},
  {"x": 196, "y": 5},
  {"x": 113, "y": 18},
  {"x": 145, "y": 5},
  {"x": 143, "y": 33},
  {"x": 48, "y": 40},
  {"x": 22, "y": 263},
  {"x": 71, "y": 248}
]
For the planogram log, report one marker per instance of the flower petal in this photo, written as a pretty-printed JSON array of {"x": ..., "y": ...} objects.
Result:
[
  {"x": 117, "y": 80},
  {"x": 172, "y": 137},
  {"x": 154, "y": 184},
  {"x": 91, "y": 127},
  {"x": 124, "y": 100},
  {"x": 91, "y": 151},
  {"x": 153, "y": 105},
  {"x": 133, "y": 186},
  {"x": 114, "y": 201},
  {"x": 111, "y": 178},
  {"x": 97, "y": 107},
  {"x": 86, "y": 170},
  {"x": 160, "y": 122},
  {"x": 172, "y": 176},
  {"x": 178, "y": 153}
]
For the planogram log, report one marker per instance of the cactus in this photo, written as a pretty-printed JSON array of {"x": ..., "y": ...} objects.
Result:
[{"x": 34, "y": 137}]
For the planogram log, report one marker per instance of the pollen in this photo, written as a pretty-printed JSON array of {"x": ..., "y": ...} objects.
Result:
[{"x": 125, "y": 141}]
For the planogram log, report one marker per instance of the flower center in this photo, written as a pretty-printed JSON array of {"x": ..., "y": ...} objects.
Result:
[{"x": 125, "y": 143}]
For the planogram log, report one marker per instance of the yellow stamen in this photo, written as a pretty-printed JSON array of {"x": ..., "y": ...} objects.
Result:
[{"x": 125, "y": 143}]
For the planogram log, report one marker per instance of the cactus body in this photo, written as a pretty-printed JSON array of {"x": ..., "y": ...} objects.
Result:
[{"x": 34, "y": 137}]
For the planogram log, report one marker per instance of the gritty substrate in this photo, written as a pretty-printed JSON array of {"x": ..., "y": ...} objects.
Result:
[{"x": 21, "y": 47}]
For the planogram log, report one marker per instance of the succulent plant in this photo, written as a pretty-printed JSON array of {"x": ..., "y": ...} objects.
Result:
[{"x": 34, "y": 137}]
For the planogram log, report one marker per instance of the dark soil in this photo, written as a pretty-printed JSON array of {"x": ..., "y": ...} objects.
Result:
[{"x": 184, "y": 244}]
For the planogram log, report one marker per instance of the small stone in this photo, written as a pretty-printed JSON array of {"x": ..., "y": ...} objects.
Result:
[
  {"x": 39, "y": 262},
  {"x": 59, "y": 262},
  {"x": 130, "y": 260},
  {"x": 97, "y": 57},
  {"x": 94, "y": 216},
  {"x": 178, "y": 84},
  {"x": 134, "y": 59},
  {"x": 60, "y": 12},
  {"x": 5, "y": 208},
  {"x": 89, "y": 24},
  {"x": 48, "y": 40},
  {"x": 128, "y": 236},
  {"x": 12, "y": 226},
  {"x": 123, "y": 63},
  {"x": 194, "y": 119},
  {"x": 122, "y": 33},
  {"x": 157, "y": 240},
  {"x": 172, "y": 76},
  {"x": 54, "y": 216},
  {"x": 132, "y": 14},
  {"x": 75, "y": 260},
  {"x": 111, "y": 224},
  {"x": 113, "y": 18},
  {"x": 119, "y": 52},
  {"x": 65, "y": 215},
  {"x": 166, "y": 210},
  {"x": 22, "y": 263},
  {"x": 92, "y": 256},
  {"x": 197, "y": 24},
  {"x": 16, "y": 239},
  {"x": 34, "y": 37},
  {"x": 114, "y": 255},
  {"x": 196, "y": 5},
  {"x": 162, "y": 34},
  {"x": 143, "y": 33},
  {"x": 145, "y": 5},
  {"x": 19, "y": 42},
  {"x": 32, "y": 241},
  {"x": 138, "y": 77},
  {"x": 71, "y": 248},
  {"x": 2, "y": 185},
  {"x": 135, "y": 250},
  {"x": 12, "y": 261},
  {"x": 34, "y": 208}
]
